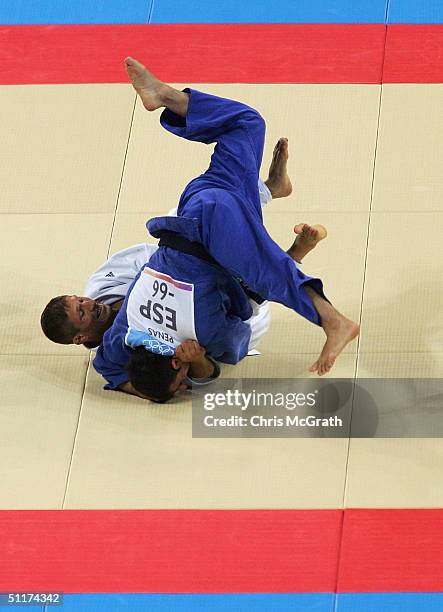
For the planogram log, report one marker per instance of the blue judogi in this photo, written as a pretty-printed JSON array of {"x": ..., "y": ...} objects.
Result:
[{"x": 221, "y": 210}]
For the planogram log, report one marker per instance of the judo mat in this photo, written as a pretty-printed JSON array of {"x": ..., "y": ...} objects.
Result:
[{"x": 220, "y": 524}]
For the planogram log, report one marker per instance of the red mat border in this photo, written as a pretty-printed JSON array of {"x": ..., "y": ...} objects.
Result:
[
  {"x": 391, "y": 551},
  {"x": 222, "y": 551},
  {"x": 218, "y": 53},
  {"x": 414, "y": 54},
  {"x": 194, "y": 53},
  {"x": 169, "y": 551}
]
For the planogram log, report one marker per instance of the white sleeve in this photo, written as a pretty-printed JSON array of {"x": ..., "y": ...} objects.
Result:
[
  {"x": 265, "y": 194},
  {"x": 111, "y": 281}
]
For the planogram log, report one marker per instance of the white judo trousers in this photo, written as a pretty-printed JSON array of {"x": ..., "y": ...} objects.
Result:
[{"x": 111, "y": 281}]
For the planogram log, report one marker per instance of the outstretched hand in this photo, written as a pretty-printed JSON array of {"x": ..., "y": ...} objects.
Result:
[{"x": 190, "y": 351}]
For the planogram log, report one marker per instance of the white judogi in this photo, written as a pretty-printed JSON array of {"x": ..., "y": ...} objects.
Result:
[{"x": 110, "y": 282}]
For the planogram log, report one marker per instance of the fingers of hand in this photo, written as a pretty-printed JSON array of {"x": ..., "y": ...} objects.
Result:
[{"x": 189, "y": 350}]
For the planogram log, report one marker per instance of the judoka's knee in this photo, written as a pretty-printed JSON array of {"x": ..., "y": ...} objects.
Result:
[{"x": 254, "y": 118}]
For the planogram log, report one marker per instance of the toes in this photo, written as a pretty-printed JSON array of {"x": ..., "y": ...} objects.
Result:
[
  {"x": 314, "y": 367},
  {"x": 327, "y": 365}
]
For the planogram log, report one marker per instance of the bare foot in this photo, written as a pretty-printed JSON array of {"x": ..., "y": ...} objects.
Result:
[
  {"x": 308, "y": 236},
  {"x": 148, "y": 87},
  {"x": 339, "y": 332},
  {"x": 278, "y": 181}
]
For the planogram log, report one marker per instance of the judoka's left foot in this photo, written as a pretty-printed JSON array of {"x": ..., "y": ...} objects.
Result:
[
  {"x": 339, "y": 332},
  {"x": 279, "y": 183},
  {"x": 307, "y": 239},
  {"x": 150, "y": 89}
]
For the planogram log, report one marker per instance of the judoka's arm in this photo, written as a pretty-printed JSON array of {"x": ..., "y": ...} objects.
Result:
[{"x": 191, "y": 352}]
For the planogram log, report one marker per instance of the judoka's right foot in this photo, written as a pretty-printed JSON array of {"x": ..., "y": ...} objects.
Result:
[
  {"x": 339, "y": 332},
  {"x": 150, "y": 89},
  {"x": 279, "y": 183},
  {"x": 338, "y": 329}
]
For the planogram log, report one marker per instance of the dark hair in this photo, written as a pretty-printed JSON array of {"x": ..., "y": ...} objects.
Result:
[
  {"x": 151, "y": 374},
  {"x": 55, "y": 323}
]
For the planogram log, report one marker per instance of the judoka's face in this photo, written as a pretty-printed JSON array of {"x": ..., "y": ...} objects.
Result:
[{"x": 90, "y": 318}]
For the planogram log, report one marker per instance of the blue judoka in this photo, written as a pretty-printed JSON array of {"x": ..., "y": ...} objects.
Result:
[{"x": 216, "y": 254}]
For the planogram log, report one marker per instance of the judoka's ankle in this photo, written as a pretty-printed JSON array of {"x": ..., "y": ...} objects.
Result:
[{"x": 176, "y": 101}]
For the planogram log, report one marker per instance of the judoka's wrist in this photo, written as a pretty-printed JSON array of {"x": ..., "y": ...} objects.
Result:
[{"x": 202, "y": 368}]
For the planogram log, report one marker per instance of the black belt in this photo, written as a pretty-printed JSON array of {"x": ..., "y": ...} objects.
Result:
[{"x": 179, "y": 243}]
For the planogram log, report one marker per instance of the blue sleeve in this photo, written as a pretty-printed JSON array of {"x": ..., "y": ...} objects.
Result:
[
  {"x": 114, "y": 373},
  {"x": 230, "y": 342}
]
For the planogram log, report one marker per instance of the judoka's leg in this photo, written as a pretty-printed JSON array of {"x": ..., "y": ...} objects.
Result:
[
  {"x": 271, "y": 273},
  {"x": 237, "y": 129},
  {"x": 338, "y": 329},
  {"x": 232, "y": 156},
  {"x": 238, "y": 132}
]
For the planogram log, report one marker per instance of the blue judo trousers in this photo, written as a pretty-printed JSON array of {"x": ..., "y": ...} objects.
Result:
[{"x": 220, "y": 210}]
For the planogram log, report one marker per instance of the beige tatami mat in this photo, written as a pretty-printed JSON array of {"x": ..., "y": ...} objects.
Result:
[
  {"x": 410, "y": 149},
  {"x": 401, "y": 338},
  {"x": 39, "y": 412},
  {"x": 403, "y": 300},
  {"x": 402, "y": 330},
  {"x": 66, "y": 154},
  {"x": 130, "y": 454},
  {"x": 44, "y": 256},
  {"x": 395, "y": 473},
  {"x": 400, "y": 365},
  {"x": 66, "y": 146},
  {"x": 287, "y": 365}
]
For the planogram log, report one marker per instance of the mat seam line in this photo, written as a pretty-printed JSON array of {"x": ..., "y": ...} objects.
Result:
[
  {"x": 292, "y": 354},
  {"x": 131, "y": 123},
  {"x": 283, "y": 212},
  {"x": 71, "y": 460},
  {"x": 363, "y": 288},
  {"x": 342, "y": 520},
  {"x": 365, "y": 266},
  {"x": 151, "y": 11}
]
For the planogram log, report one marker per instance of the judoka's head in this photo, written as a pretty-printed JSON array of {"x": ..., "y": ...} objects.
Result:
[
  {"x": 157, "y": 377},
  {"x": 69, "y": 319}
]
